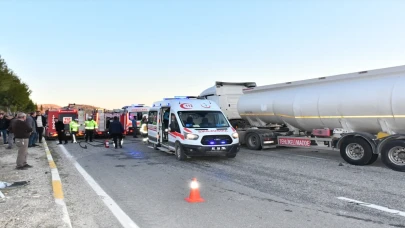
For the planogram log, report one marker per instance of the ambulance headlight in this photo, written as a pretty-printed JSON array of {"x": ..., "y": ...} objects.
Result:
[
  {"x": 235, "y": 135},
  {"x": 191, "y": 136}
]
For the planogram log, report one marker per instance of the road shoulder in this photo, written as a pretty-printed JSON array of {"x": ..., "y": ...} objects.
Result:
[{"x": 32, "y": 205}]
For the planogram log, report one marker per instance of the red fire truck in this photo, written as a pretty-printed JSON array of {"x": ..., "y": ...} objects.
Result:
[
  {"x": 65, "y": 114},
  {"x": 103, "y": 119}
]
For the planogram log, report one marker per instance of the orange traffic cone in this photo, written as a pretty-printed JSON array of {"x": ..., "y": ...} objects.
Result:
[{"x": 194, "y": 193}]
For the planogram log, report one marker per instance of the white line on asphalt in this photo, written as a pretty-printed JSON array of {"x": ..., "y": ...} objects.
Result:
[
  {"x": 1, "y": 195},
  {"x": 381, "y": 208},
  {"x": 122, "y": 217}
]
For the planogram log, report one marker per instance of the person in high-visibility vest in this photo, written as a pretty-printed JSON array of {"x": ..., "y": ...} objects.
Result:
[
  {"x": 90, "y": 126},
  {"x": 74, "y": 128}
]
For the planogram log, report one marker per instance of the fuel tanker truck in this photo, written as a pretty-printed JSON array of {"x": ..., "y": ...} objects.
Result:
[{"x": 360, "y": 114}]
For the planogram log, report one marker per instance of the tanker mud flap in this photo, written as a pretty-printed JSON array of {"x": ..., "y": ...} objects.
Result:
[{"x": 358, "y": 148}]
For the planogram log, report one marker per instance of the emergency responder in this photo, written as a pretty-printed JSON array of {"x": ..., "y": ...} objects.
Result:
[
  {"x": 74, "y": 128},
  {"x": 90, "y": 126}
]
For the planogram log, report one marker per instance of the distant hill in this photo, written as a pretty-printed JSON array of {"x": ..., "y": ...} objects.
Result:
[{"x": 54, "y": 106}]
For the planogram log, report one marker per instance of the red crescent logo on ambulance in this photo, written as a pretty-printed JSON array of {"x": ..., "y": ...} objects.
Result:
[{"x": 186, "y": 106}]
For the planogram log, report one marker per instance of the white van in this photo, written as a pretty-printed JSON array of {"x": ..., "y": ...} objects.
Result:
[{"x": 191, "y": 126}]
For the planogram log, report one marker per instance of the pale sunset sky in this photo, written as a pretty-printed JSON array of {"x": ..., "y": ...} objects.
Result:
[{"x": 116, "y": 53}]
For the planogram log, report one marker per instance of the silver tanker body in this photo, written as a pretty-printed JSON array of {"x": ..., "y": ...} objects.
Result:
[
  {"x": 361, "y": 104},
  {"x": 371, "y": 102}
]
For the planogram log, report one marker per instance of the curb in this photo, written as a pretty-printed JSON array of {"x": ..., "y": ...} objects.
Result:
[{"x": 57, "y": 185}]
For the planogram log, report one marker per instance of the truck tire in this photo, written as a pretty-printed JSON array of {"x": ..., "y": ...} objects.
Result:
[
  {"x": 179, "y": 152},
  {"x": 393, "y": 155},
  {"x": 356, "y": 151},
  {"x": 253, "y": 141}
]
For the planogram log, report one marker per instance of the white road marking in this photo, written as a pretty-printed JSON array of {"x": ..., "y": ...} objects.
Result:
[
  {"x": 2, "y": 195},
  {"x": 381, "y": 208},
  {"x": 122, "y": 217}
]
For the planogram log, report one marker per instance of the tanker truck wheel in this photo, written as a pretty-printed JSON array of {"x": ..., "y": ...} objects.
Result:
[
  {"x": 393, "y": 155},
  {"x": 253, "y": 141},
  {"x": 356, "y": 151}
]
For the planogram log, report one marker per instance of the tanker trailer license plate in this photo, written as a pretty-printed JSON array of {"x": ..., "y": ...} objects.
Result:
[{"x": 291, "y": 141}]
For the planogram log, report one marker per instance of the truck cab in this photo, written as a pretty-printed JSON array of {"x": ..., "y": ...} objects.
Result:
[{"x": 191, "y": 126}]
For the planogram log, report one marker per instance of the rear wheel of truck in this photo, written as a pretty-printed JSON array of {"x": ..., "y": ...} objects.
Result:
[
  {"x": 356, "y": 151},
  {"x": 179, "y": 153},
  {"x": 253, "y": 141},
  {"x": 393, "y": 155}
]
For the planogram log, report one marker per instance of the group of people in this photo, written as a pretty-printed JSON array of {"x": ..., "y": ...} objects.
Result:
[
  {"x": 24, "y": 131},
  {"x": 35, "y": 120}
]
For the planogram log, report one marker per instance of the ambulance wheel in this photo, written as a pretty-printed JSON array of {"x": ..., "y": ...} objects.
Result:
[
  {"x": 180, "y": 153},
  {"x": 231, "y": 155},
  {"x": 155, "y": 146}
]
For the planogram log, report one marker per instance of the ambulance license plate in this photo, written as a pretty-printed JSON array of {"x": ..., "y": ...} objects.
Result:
[{"x": 218, "y": 148}]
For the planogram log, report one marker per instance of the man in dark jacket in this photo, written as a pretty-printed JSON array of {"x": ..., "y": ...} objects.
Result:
[
  {"x": 116, "y": 130},
  {"x": 60, "y": 129},
  {"x": 4, "y": 124},
  {"x": 22, "y": 131},
  {"x": 11, "y": 138}
]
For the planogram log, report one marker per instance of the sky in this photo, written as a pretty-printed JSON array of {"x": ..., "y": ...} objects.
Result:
[{"x": 115, "y": 53}]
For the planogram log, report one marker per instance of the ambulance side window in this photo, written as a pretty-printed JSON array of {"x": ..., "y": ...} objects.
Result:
[
  {"x": 174, "y": 124},
  {"x": 152, "y": 119}
]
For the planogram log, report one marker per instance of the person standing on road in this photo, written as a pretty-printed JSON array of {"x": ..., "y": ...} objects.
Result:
[
  {"x": 134, "y": 125},
  {"x": 4, "y": 124},
  {"x": 11, "y": 137},
  {"x": 41, "y": 124},
  {"x": 60, "y": 128},
  {"x": 74, "y": 128},
  {"x": 33, "y": 124},
  {"x": 90, "y": 126},
  {"x": 116, "y": 131},
  {"x": 22, "y": 131}
]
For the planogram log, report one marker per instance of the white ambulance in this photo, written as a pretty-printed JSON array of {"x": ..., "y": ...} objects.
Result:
[{"x": 191, "y": 126}]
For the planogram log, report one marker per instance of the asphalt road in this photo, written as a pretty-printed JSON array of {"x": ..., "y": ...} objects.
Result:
[{"x": 273, "y": 188}]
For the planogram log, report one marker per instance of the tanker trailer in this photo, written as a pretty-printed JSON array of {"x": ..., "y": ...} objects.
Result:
[{"x": 361, "y": 114}]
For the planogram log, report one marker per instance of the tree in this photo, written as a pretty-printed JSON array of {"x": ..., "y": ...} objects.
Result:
[
  {"x": 14, "y": 94},
  {"x": 41, "y": 108}
]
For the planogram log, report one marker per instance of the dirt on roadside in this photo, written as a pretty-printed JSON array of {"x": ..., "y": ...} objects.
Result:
[{"x": 32, "y": 205}]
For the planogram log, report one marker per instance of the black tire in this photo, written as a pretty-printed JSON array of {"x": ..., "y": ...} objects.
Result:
[
  {"x": 179, "y": 153},
  {"x": 155, "y": 146},
  {"x": 231, "y": 155},
  {"x": 389, "y": 159},
  {"x": 253, "y": 141},
  {"x": 361, "y": 143}
]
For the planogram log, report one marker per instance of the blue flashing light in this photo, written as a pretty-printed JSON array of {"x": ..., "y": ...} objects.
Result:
[
  {"x": 181, "y": 97},
  {"x": 212, "y": 142},
  {"x": 223, "y": 142}
]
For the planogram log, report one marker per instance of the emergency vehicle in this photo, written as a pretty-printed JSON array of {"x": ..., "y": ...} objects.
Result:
[
  {"x": 137, "y": 110},
  {"x": 191, "y": 126},
  {"x": 103, "y": 118},
  {"x": 65, "y": 114}
]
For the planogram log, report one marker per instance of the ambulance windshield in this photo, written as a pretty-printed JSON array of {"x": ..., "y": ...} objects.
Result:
[{"x": 202, "y": 119}]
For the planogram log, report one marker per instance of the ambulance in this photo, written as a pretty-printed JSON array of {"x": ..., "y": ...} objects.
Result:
[
  {"x": 191, "y": 126},
  {"x": 135, "y": 110}
]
